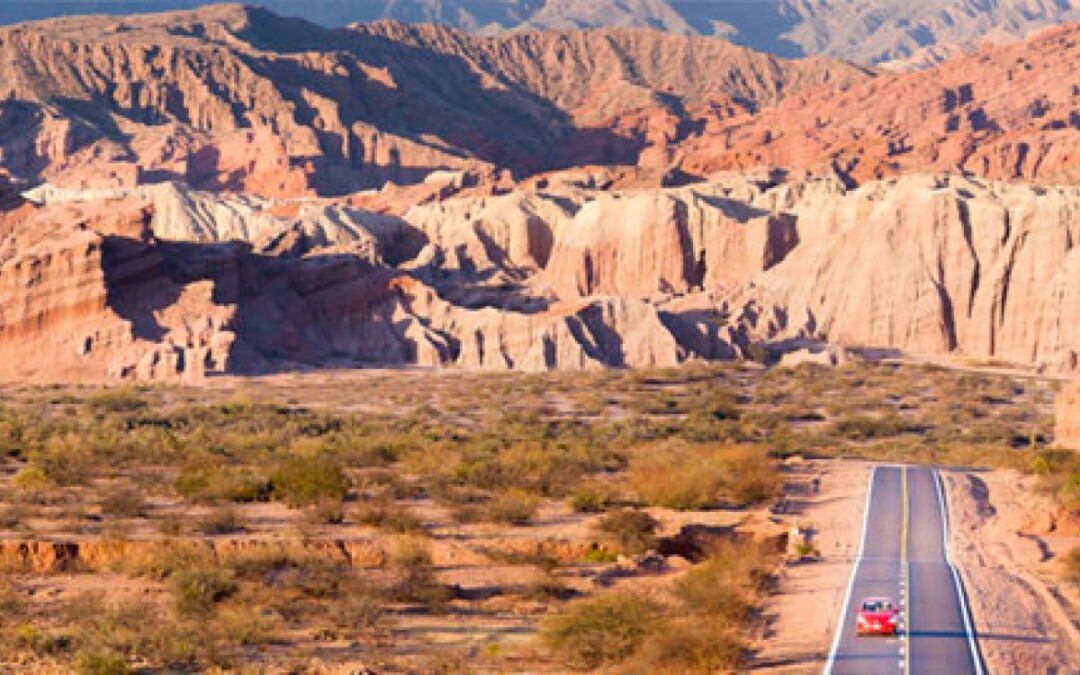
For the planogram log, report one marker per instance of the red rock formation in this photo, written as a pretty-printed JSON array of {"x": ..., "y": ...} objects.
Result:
[{"x": 1008, "y": 113}]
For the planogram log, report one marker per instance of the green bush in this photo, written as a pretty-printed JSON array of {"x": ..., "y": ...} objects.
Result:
[
  {"x": 101, "y": 663},
  {"x": 414, "y": 575},
  {"x": 689, "y": 646},
  {"x": 514, "y": 507},
  {"x": 863, "y": 427},
  {"x": 1069, "y": 492},
  {"x": 303, "y": 481},
  {"x": 221, "y": 520},
  {"x": 30, "y": 478},
  {"x": 633, "y": 531},
  {"x": 1071, "y": 563},
  {"x": 724, "y": 587},
  {"x": 601, "y": 630},
  {"x": 202, "y": 483},
  {"x": 198, "y": 590},
  {"x": 389, "y": 516},
  {"x": 591, "y": 498},
  {"x": 694, "y": 477},
  {"x": 124, "y": 502}
]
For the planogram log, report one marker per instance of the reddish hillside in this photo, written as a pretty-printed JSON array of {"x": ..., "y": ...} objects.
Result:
[
  {"x": 238, "y": 98},
  {"x": 1008, "y": 113}
]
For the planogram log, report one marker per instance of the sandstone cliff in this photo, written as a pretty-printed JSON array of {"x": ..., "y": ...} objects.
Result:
[{"x": 582, "y": 278}]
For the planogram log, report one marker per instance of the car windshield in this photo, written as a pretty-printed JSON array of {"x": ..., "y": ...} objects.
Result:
[{"x": 876, "y": 606}]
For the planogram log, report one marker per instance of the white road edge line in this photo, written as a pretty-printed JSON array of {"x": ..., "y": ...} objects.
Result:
[
  {"x": 851, "y": 580},
  {"x": 961, "y": 597}
]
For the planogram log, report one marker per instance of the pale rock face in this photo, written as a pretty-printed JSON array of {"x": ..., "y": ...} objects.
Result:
[
  {"x": 664, "y": 242},
  {"x": 939, "y": 265},
  {"x": 535, "y": 281},
  {"x": 512, "y": 233}
]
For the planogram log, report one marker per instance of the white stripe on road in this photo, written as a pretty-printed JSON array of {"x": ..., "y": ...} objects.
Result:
[
  {"x": 851, "y": 580},
  {"x": 961, "y": 598}
]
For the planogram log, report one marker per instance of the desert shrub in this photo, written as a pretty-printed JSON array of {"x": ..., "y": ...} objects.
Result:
[
  {"x": 42, "y": 643},
  {"x": 302, "y": 481},
  {"x": 198, "y": 590},
  {"x": 754, "y": 477},
  {"x": 547, "y": 587},
  {"x": 689, "y": 646},
  {"x": 359, "y": 612},
  {"x": 1069, "y": 492},
  {"x": 12, "y": 605},
  {"x": 14, "y": 516},
  {"x": 632, "y": 531},
  {"x": 308, "y": 576},
  {"x": 124, "y": 502},
  {"x": 170, "y": 525},
  {"x": 31, "y": 478},
  {"x": 67, "y": 459},
  {"x": 704, "y": 426},
  {"x": 101, "y": 663},
  {"x": 724, "y": 587},
  {"x": 329, "y": 512},
  {"x": 117, "y": 402},
  {"x": 414, "y": 575},
  {"x": 514, "y": 507},
  {"x": 591, "y": 498},
  {"x": 203, "y": 483},
  {"x": 1071, "y": 563},
  {"x": 692, "y": 477},
  {"x": 863, "y": 427},
  {"x": 389, "y": 516},
  {"x": 221, "y": 520},
  {"x": 602, "y": 630}
]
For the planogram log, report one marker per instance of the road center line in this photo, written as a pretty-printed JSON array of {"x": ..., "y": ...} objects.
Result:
[
  {"x": 851, "y": 580},
  {"x": 905, "y": 570}
]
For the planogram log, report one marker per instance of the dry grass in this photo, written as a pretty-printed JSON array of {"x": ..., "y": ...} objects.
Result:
[{"x": 171, "y": 462}]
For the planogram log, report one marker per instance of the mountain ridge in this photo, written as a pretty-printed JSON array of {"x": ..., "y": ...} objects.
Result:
[{"x": 865, "y": 31}]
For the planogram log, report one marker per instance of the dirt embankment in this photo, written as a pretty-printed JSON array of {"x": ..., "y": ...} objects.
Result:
[{"x": 1007, "y": 541}]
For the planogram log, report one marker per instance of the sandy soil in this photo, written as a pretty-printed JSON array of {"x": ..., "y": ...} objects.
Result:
[
  {"x": 801, "y": 616},
  {"x": 1006, "y": 543}
]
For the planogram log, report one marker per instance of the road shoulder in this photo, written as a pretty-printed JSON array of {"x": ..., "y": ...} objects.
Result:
[
  {"x": 1019, "y": 609},
  {"x": 799, "y": 619}
]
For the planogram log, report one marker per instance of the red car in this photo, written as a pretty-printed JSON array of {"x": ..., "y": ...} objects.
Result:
[{"x": 877, "y": 616}]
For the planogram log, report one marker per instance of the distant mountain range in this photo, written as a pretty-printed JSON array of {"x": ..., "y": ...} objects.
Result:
[{"x": 866, "y": 31}]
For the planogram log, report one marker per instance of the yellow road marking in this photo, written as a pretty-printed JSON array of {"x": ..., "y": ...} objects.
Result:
[{"x": 904, "y": 569}]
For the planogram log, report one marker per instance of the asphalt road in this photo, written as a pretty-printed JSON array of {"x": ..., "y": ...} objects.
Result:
[{"x": 903, "y": 556}]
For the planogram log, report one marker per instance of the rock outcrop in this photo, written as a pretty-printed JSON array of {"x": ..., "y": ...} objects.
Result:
[
  {"x": 536, "y": 281},
  {"x": 665, "y": 242}
]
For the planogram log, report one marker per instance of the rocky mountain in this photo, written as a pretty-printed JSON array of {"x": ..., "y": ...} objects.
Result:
[
  {"x": 237, "y": 98},
  {"x": 187, "y": 200},
  {"x": 865, "y": 31}
]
